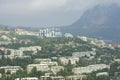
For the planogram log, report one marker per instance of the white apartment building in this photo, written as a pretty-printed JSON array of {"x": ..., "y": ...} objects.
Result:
[
  {"x": 39, "y": 67},
  {"x": 65, "y": 60},
  {"x": 57, "y": 78},
  {"x": 27, "y": 78},
  {"x": 76, "y": 77},
  {"x": 52, "y": 78},
  {"x": 45, "y": 78},
  {"x": 11, "y": 53},
  {"x": 56, "y": 69},
  {"x": 11, "y": 69},
  {"x": 50, "y": 63},
  {"x": 83, "y": 38},
  {"x": 50, "y": 32},
  {"x": 89, "y": 69},
  {"x": 31, "y": 48},
  {"x": 45, "y": 60},
  {"x": 83, "y": 54}
]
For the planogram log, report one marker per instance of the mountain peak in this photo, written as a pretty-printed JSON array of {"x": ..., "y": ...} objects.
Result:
[{"x": 100, "y": 21}]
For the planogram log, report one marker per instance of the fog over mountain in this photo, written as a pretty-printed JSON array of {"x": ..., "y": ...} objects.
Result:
[{"x": 100, "y": 21}]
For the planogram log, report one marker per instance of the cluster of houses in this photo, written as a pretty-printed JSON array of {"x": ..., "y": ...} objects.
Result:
[
  {"x": 47, "y": 65},
  {"x": 75, "y": 57},
  {"x": 22, "y": 52},
  {"x": 44, "y": 65},
  {"x": 50, "y": 66},
  {"x": 96, "y": 42}
]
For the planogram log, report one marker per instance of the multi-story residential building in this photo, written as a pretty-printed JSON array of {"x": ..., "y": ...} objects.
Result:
[
  {"x": 39, "y": 67},
  {"x": 50, "y": 32},
  {"x": 45, "y": 78},
  {"x": 50, "y": 63},
  {"x": 53, "y": 63},
  {"x": 11, "y": 69},
  {"x": 52, "y": 78},
  {"x": 27, "y": 78},
  {"x": 57, "y": 78},
  {"x": 56, "y": 69},
  {"x": 65, "y": 60},
  {"x": 76, "y": 77},
  {"x": 11, "y": 53},
  {"x": 47, "y": 60},
  {"x": 84, "y": 54},
  {"x": 31, "y": 48},
  {"x": 89, "y": 69}
]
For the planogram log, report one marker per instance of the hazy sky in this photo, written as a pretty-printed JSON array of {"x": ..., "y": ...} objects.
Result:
[{"x": 39, "y": 13}]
